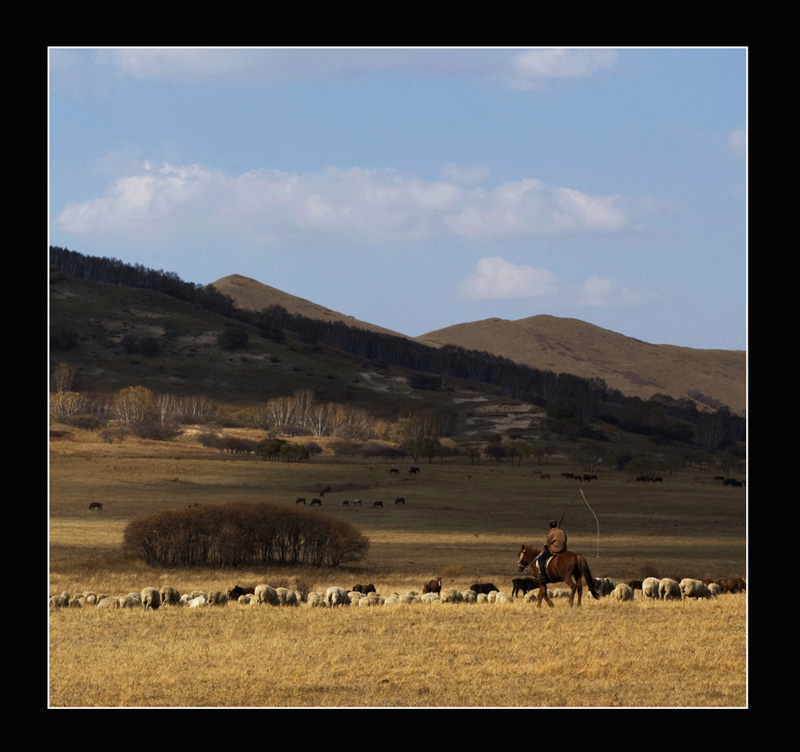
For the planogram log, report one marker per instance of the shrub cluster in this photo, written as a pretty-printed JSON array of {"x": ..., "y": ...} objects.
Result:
[{"x": 242, "y": 535}]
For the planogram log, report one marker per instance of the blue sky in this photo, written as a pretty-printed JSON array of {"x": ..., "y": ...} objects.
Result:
[{"x": 420, "y": 188}]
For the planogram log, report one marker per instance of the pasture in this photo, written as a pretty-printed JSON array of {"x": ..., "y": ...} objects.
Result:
[{"x": 461, "y": 521}]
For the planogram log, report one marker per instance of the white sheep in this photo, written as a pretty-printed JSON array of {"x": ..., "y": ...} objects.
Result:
[
  {"x": 371, "y": 599},
  {"x": 623, "y": 592},
  {"x": 316, "y": 600},
  {"x": 714, "y": 588},
  {"x": 151, "y": 599},
  {"x": 470, "y": 596},
  {"x": 108, "y": 601},
  {"x": 503, "y": 598},
  {"x": 267, "y": 594},
  {"x": 186, "y": 599},
  {"x": 650, "y": 587},
  {"x": 668, "y": 590},
  {"x": 336, "y": 596},
  {"x": 198, "y": 602},
  {"x": 430, "y": 597},
  {"x": 286, "y": 597},
  {"x": 451, "y": 595},
  {"x": 128, "y": 601},
  {"x": 691, "y": 588}
]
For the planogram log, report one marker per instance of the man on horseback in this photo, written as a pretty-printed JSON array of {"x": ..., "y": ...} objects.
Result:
[{"x": 555, "y": 543}]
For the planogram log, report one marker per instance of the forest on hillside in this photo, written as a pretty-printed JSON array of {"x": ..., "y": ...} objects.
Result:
[{"x": 569, "y": 400}]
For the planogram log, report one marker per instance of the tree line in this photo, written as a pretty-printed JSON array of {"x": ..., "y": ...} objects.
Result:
[{"x": 572, "y": 401}]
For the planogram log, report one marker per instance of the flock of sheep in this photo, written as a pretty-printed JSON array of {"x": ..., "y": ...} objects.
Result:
[
  {"x": 666, "y": 588},
  {"x": 523, "y": 588}
]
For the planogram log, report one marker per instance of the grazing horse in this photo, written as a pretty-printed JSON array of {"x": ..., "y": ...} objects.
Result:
[
  {"x": 567, "y": 567},
  {"x": 400, "y": 500},
  {"x": 95, "y": 505},
  {"x": 316, "y": 502},
  {"x": 377, "y": 504}
]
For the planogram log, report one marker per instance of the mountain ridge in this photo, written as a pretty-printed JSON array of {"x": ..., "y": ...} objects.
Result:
[{"x": 563, "y": 345}]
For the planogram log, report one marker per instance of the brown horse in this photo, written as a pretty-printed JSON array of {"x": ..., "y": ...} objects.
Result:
[{"x": 567, "y": 567}]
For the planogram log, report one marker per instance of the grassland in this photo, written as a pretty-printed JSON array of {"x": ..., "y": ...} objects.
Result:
[{"x": 463, "y": 519}]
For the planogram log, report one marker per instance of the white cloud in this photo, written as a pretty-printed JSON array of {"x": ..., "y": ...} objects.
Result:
[
  {"x": 354, "y": 203},
  {"x": 601, "y": 292},
  {"x": 532, "y": 68},
  {"x": 495, "y": 277},
  {"x": 516, "y": 68}
]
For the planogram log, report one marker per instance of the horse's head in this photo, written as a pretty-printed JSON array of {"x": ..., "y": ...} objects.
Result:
[{"x": 525, "y": 559}]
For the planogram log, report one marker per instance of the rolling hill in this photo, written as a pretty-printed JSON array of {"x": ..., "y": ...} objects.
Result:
[
  {"x": 563, "y": 345},
  {"x": 635, "y": 368},
  {"x": 252, "y": 295}
]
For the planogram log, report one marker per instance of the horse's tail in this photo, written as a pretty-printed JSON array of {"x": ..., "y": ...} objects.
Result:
[{"x": 583, "y": 568}]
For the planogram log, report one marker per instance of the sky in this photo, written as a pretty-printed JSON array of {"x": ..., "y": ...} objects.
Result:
[{"x": 417, "y": 188}]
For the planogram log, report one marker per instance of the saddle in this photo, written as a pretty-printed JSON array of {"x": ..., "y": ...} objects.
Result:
[{"x": 546, "y": 564}]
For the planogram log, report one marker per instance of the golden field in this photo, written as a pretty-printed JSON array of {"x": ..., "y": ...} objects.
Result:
[{"x": 464, "y": 521}]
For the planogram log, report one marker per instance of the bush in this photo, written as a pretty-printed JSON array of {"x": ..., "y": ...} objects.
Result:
[{"x": 242, "y": 535}]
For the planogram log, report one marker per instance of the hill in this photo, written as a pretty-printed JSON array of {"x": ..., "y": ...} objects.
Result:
[
  {"x": 252, "y": 295},
  {"x": 563, "y": 345}
]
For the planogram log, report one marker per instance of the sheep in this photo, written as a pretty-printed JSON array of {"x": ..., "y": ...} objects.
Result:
[
  {"x": 266, "y": 594},
  {"x": 151, "y": 599},
  {"x": 355, "y": 596},
  {"x": 370, "y": 599},
  {"x": 198, "y": 602},
  {"x": 128, "y": 601},
  {"x": 451, "y": 595},
  {"x": 668, "y": 589},
  {"x": 108, "y": 601},
  {"x": 623, "y": 592},
  {"x": 605, "y": 585},
  {"x": 248, "y": 599},
  {"x": 286, "y": 597},
  {"x": 470, "y": 596},
  {"x": 650, "y": 587},
  {"x": 170, "y": 596},
  {"x": 336, "y": 596},
  {"x": 430, "y": 598},
  {"x": 186, "y": 599},
  {"x": 715, "y": 588},
  {"x": 503, "y": 598},
  {"x": 316, "y": 600},
  {"x": 691, "y": 588},
  {"x": 410, "y": 599},
  {"x": 216, "y": 598}
]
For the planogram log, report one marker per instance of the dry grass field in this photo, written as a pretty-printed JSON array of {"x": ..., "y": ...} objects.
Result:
[{"x": 465, "y": 521}]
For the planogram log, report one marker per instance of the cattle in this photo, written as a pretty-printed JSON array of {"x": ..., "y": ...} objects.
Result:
[
  {"x": 96, "y": 505},
  {"x": 316, "y": 502},
  {"x": 433, "y": 586}
]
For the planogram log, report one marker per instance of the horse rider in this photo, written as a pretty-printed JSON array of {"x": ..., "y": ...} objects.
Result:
[{"x": 555, "y": 543}]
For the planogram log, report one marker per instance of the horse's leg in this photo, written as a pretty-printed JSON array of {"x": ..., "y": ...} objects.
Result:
[{"x": 543, "y": 594}]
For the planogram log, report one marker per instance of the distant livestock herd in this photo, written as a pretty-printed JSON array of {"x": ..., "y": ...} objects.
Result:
[{"x": 522, "y": 588}]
